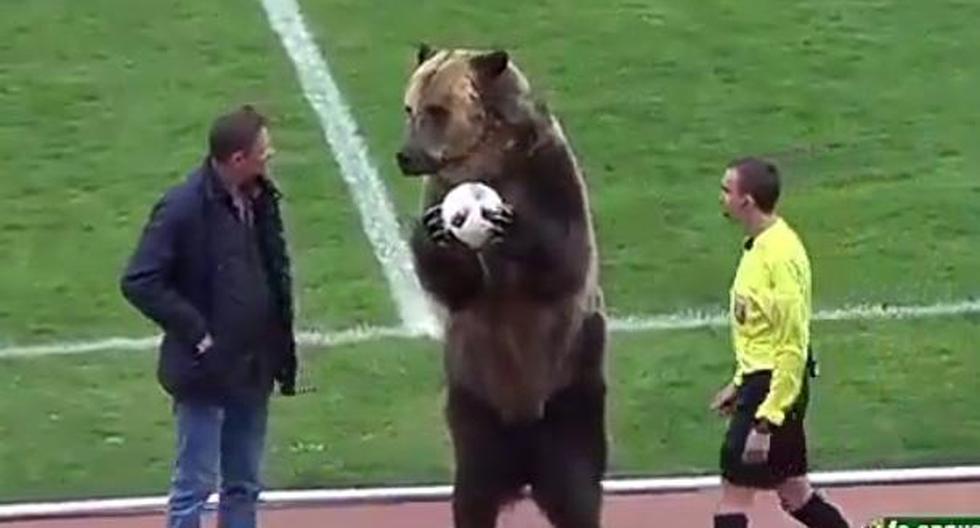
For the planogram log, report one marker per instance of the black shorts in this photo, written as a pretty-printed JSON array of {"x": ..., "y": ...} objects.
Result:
[{"x": 787, "y": 448}]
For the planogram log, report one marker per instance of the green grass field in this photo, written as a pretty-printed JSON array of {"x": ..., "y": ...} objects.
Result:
[
  {"x": 866, "y": 105},
  {"x": 96, "y": 424}
]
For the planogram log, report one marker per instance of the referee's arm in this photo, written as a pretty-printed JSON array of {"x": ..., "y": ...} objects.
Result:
[{"x": 788, "y": 314}]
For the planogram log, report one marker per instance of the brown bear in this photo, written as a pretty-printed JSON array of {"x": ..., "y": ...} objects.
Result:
[{"x": 525, "y": 330}]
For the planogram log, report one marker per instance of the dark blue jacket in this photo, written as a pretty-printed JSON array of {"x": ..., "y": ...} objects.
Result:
[{"x": 169, "y": 280}]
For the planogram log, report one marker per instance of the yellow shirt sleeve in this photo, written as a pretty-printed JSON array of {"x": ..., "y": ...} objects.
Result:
[{"x": 787, "y": 311}]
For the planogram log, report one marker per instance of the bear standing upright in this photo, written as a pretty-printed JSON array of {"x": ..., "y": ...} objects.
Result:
[{"x": 525, "y": 330}]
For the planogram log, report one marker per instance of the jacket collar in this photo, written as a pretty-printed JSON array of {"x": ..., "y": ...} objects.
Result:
[{"x": 215, "y": 190}]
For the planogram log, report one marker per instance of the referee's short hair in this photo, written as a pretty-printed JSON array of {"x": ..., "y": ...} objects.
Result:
[{"x": 759, "y": 179}]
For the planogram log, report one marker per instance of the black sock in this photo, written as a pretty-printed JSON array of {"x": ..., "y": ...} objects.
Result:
[
  {"x": 818, "y": 513},
  {"x": 731, "y": 520}
]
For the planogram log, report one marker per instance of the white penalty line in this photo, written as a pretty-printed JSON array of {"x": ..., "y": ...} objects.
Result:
[
  {"x": 368, "y": 192},
  {"x": 676, "y": 321},
  {"x": 388, "y": 495}
]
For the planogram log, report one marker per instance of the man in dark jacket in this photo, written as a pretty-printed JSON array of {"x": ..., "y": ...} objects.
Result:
[{"x": 212, "y": 270}]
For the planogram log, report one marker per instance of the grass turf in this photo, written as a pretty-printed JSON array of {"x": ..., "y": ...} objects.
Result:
[
  {"x": 105, "y": 106},
  {"x": 892, "y": 393},
  {"x": 868, "y": 107}
]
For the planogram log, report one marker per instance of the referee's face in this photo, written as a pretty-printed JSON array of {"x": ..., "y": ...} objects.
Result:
[{"x": 733, "y": 202}]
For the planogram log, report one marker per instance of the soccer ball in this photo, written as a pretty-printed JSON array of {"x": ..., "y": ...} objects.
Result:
[{"x": 464, "y": 212}]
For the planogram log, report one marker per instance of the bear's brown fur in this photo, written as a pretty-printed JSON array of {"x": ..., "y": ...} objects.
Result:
[{"x": 525, "y": 329}]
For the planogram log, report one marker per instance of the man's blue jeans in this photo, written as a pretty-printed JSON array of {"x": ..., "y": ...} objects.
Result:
[{"x": 210, "y": 436}]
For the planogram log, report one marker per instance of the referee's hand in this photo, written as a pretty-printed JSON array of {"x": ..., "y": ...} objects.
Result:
[{"x": 724, "y": 401}]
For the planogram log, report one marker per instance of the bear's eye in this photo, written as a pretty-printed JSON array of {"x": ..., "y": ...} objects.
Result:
[{"x": 408, "y": 110}]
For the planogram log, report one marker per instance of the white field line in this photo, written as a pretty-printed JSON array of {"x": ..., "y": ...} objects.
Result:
[
  {"x": 695, "y": 319},
  {"x": 326, "y": 497},
  {"x": 654, "y": 323},
  {"x": 368, "y": 192},
  {"x": 342, "y": 337}
]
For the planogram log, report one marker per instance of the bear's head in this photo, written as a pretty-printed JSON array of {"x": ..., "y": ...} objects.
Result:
[{"x": 461, "y": 104}]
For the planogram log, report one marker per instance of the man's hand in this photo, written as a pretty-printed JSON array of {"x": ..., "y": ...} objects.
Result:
[
  {"x": 756, "y": 446},
  {"x": 724, "y": 401}
]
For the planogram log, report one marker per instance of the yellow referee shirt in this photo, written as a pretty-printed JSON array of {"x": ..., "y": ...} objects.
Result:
[{"x": 770, "y": 315}]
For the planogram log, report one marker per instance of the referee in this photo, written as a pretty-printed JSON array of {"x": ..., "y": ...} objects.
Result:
[{"x": 765, "y": 445}]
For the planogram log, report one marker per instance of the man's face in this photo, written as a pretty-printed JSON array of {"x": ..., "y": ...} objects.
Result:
[
  {"x": 253, "y": 163},
  {"x": 733, "y": 202}
]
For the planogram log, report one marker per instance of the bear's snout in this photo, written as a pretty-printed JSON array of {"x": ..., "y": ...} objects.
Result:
[{"x": 414, "y": 163}]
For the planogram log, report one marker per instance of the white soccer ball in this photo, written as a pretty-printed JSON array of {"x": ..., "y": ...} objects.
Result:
[{"x": 464, "y": 209}]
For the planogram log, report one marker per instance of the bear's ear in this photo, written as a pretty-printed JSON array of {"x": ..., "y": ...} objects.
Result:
[
  {"x": 491, "y": 64},
  {"x": 425, "y": 52}
]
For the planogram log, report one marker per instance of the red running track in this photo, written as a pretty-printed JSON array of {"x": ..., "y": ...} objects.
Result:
[{"x": 693, "y": 509}]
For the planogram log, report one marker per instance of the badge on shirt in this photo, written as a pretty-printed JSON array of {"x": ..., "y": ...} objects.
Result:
[{"x": 741, "y": 309}]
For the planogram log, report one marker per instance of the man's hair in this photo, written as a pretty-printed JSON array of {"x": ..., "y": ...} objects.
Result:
[
  {"x": 235, "y": 131},
  {"x": 759, "y": 179}
]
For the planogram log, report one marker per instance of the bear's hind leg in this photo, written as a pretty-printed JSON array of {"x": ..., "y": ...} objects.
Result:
[
  {"x": 569, "y": 500},
  {"x": 489, "y": 466},
  {"x": 475, "y": 505},
  {"x": 572, "y": 450}
]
